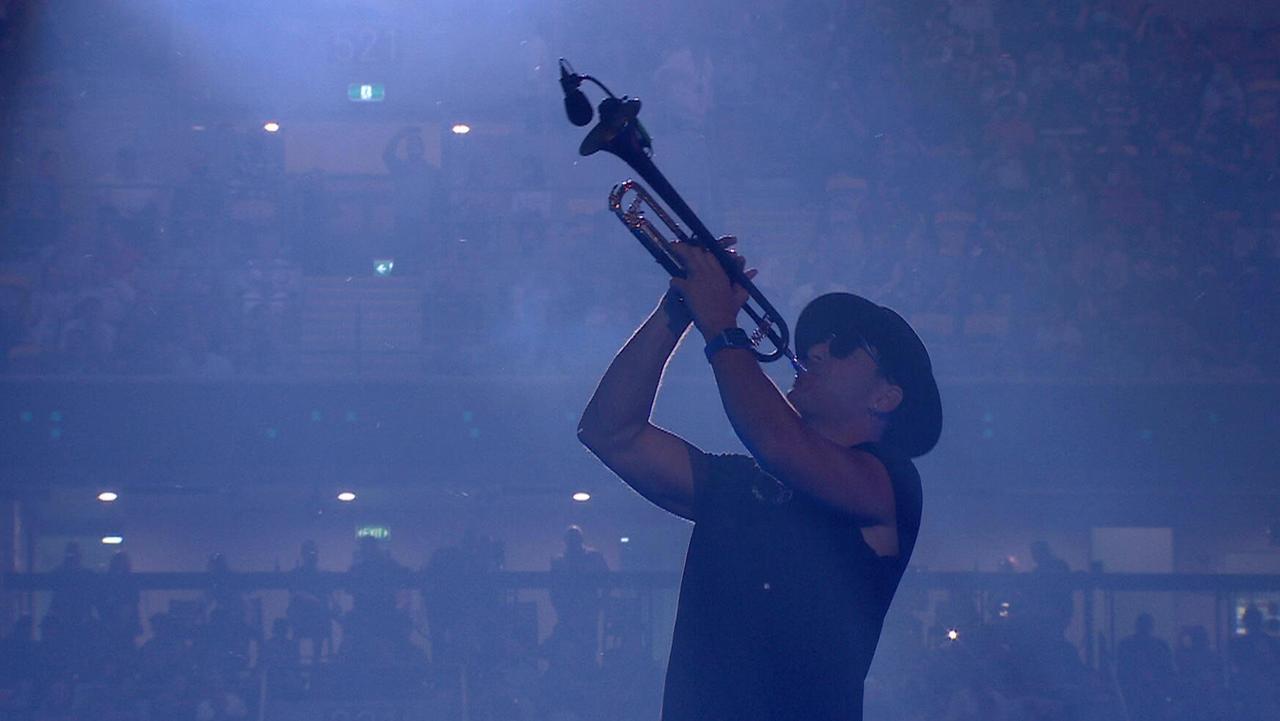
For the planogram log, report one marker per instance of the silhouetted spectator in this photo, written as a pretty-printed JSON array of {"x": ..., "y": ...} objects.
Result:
[
  {"x": 1050, "y": 606},
  {"x": 1144, "y": 670},
  {"x": 169, "y": 653},
  {"x": 375, "y": 633},
  {"x": 1200, "y": 689},
  {"x": 1255, "y": 664},
  {"x": 462, "y": 598},
  {"x": 280, "y": 662},
  {"x": 117, "y": 604},
  {"x": 577, "y": 596},
  {"x": 280, "y": 651},
  {"x": 310, "y": 611},
  {"x": 71, "y": 605},
  {"x": 417, "y": 201},
  {"x": 226, "y": 637}
]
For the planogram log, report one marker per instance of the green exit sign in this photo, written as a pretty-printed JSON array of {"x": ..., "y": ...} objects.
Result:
[
  {"x": 381, "y": 533},
  {"x": 366, "y": 92}
]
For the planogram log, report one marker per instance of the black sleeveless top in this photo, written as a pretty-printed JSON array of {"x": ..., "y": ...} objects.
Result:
[{"x": 782, "y": 600}]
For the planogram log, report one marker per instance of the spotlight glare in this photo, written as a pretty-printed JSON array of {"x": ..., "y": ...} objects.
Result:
[
  {"x": 112, "y": 540},
  {"x": 346, "y": 496},
  {"x": 582, "y": 496},
  {"x": 108, "y": 496},
  {"x": 271, "y": 126},
  {"x": 461, "y": 129}
]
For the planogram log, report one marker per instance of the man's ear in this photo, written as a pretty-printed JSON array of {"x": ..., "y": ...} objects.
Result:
[{"x": 887, "y": 399}]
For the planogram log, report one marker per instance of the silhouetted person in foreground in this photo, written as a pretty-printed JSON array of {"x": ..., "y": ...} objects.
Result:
[{"x": 1144, "y": 670}]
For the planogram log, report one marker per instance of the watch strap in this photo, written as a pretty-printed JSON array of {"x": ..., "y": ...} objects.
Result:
[{"x": 728, "y": 338}]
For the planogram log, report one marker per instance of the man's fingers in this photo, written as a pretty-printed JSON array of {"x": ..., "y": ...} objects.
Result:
[
  {"x": 681, "y": 253},
  {"x": 684, "y": 250},
  {"x": 727, "y": 241},
  {"x": 692, "y": 256}
]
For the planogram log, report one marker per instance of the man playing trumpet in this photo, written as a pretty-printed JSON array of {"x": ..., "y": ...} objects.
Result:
[{"x": 798, "y": 548}]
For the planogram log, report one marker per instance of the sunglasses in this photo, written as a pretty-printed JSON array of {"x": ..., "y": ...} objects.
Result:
[{"x": 843, "y": 345}]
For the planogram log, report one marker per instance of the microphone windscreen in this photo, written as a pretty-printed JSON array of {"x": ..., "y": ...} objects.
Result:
[{"x": 577, "y": 107}]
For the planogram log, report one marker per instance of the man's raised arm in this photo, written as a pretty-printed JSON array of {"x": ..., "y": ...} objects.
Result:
[{"x": 615, "y": 425}]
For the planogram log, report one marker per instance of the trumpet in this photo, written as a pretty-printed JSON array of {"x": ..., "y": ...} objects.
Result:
[{"x": 620, "y": 133}]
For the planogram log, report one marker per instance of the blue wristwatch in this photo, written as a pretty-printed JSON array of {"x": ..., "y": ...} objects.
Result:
[{"x": 729, "y": 338}]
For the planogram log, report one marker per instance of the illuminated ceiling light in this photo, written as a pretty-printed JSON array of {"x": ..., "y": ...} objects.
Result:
[
  {"x": 346, "y": 496},
  {"x": 461, "y": 129},
  {"x": 198, "y": 128},
  {"x": 112, "y": 540},
  {"x": 271, "y": 126},
  {"x": 953, "y": 634},
  {"x": 108, "y": 496},
  {"x": 624, "y": 539},
  {"x": 582, "y": 496}
]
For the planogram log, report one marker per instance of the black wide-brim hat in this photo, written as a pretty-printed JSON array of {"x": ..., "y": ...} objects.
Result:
[{"x": 915, "y": 425}]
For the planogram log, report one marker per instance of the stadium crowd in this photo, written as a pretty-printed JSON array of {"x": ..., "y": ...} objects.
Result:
[
  {"x": 1047, "y": 189},
  {"x": 452, "y": 641}
]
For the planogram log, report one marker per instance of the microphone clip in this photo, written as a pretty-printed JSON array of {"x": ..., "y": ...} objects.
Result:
[
  {"x": 569, "y": 80},
  {"x": 576, "y": 105}
]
